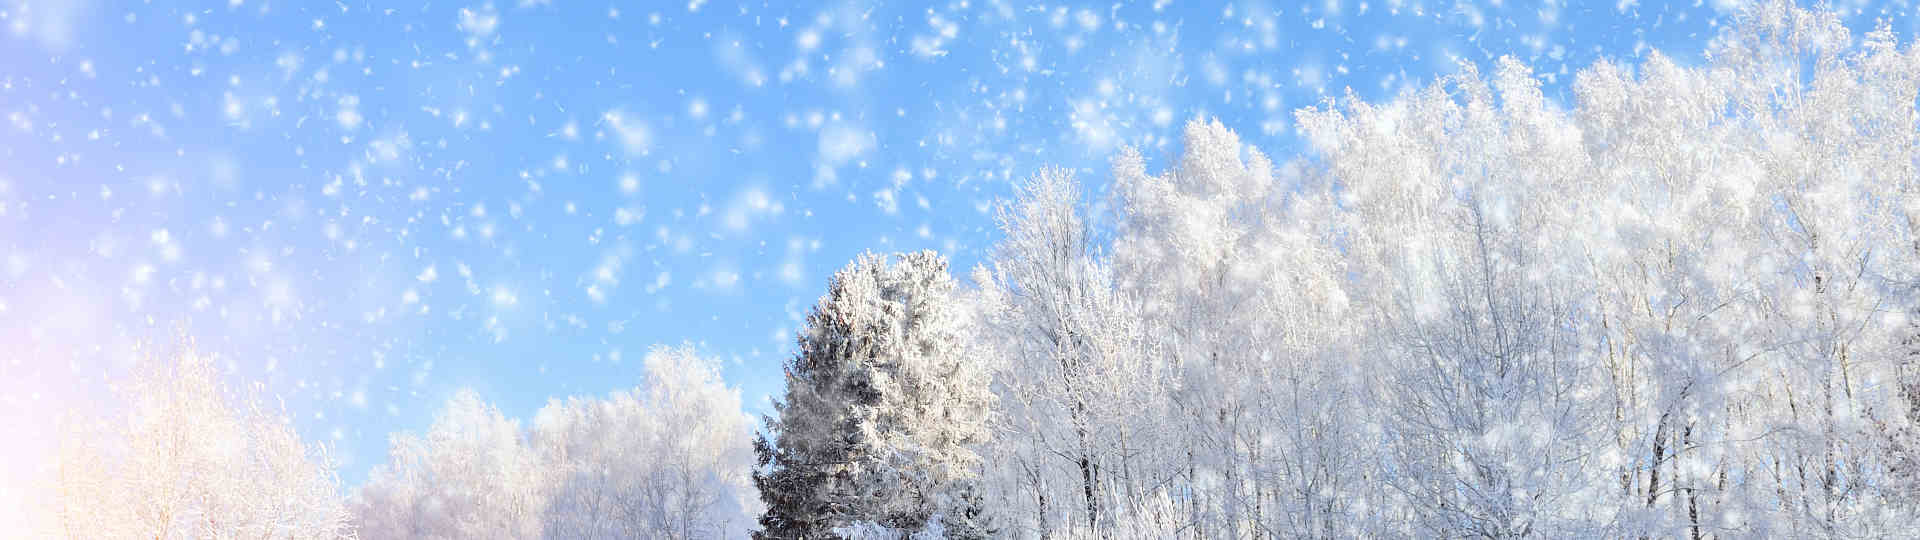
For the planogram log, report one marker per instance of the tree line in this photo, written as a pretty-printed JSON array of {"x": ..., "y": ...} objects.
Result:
[{"x": 1684, "y": 303}]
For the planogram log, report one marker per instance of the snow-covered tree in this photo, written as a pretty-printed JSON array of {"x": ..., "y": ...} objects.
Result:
[
  {"x": 189, "y": 459},
  {"x": 1828, "y": 141},
  {"x": 885, "y": 401},
  {"x": 1074, "y": 373},
  {"x": 1230, "y": 258},
  {"x": 1458, "y": 213},
  {"x": 1726, "y": 249},
  {"x": 1677, "y": 305},
  {"x": 671, "y": 459},
  {"x": 471, "y": 475}
]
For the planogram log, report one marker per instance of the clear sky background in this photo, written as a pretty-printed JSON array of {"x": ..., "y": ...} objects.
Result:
[{"x": 364, "y": 207}]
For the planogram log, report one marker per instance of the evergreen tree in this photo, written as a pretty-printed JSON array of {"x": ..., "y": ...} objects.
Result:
[{"x": 882, "y": 409}]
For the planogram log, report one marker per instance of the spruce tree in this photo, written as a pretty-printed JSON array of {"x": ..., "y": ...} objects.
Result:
[{"x": 882, "y": 408}]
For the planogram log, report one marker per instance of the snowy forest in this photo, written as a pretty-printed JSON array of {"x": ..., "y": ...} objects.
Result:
[{"x": 1683, "y": 304}]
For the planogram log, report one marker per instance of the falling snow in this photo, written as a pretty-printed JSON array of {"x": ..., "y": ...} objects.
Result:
[{"x": 364, "y": 209}]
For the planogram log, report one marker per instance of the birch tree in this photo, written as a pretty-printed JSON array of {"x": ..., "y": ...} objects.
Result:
[{"x": 188, "y": 458}]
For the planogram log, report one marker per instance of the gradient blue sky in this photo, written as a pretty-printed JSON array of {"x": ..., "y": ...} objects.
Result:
[{"x": 363, "y": 207}]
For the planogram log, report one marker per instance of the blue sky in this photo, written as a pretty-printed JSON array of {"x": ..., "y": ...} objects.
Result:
[{"x": 364, "y": 208}]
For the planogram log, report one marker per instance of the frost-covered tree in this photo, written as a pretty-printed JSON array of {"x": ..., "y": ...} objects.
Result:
[
  {"x": 1727, "y": 250},
  {"x": 1074, "y": 372},
  {"x": 471, "y": 475},
  {"x": 1459, "y": 201},
  {"x": 189, "y": 459},
  {"x": 1829, "y": 146},
  {"x": 1230, "y": 258},
  {"x": 1677, "y": 305},
  {"x": 671, "y": 459},
  {"x": 884, "y": 404}
]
